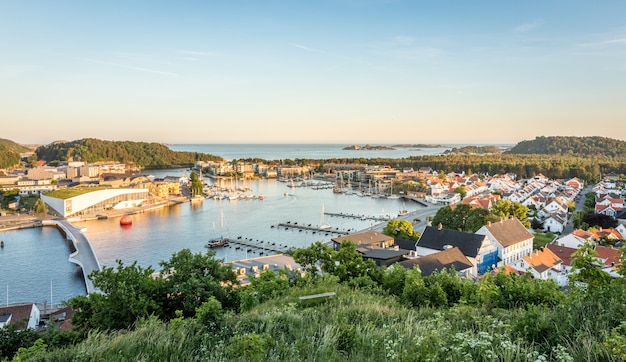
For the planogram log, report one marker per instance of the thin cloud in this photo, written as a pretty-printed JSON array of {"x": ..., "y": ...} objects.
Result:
[
  {"x": 196, "y": 53},
  {"x": 303, "y": 47},
  {"x": 528, "y": 26},
  {"x": 604, "y": 43},
  {"x": 130, "y": 67},
  {"x": 403, "y": 40}
]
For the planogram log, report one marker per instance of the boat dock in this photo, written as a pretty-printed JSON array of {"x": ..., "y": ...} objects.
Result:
[
  {"x": 257, "y": 244},
  {"x": 310, "y": 227},
  {"x": 84, "y": 256},
  {"x": 360, "y": 217}
]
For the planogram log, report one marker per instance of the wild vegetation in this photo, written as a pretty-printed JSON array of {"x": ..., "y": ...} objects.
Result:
[
  {"x": 479, "y": 150},
  {"x": 575, "y": 146},
  {"x": 464, "y": 217},
  {"x": 141, "y": 154},
  {"x": 388, "y": 314},
  {"x": 10, "y": 153}
]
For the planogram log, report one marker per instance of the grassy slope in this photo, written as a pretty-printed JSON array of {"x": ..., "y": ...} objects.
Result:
[{"x": 354, "y": 326}]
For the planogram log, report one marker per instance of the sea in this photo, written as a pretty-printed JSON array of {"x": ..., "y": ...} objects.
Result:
[{"x": 34, "y": 264}]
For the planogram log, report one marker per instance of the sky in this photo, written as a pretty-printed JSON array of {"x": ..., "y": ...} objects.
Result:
[{"x": 319, "y": 71}]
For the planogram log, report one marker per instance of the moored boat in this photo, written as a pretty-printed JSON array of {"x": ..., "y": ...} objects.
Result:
[{"x": 217, "y": 242}]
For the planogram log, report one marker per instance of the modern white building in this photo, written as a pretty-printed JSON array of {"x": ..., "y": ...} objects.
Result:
[{"x": 94, "y": 200}]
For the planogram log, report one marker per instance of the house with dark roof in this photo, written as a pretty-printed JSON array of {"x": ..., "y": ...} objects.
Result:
[
  {"x": 451, "y": 259},
  {"x": 478, "y": 249},
  {"x": 376, "y": 246},
  {"x": 512, "y": 239}
]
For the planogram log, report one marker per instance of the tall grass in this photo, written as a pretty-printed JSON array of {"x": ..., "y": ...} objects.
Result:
[{"x": 353, "y": 326}]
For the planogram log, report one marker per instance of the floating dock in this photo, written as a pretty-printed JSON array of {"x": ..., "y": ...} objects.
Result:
[{"x": 313, "y": 228}]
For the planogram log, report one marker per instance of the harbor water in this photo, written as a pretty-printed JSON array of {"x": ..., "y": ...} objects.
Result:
[{"x": 34, "y": 264}]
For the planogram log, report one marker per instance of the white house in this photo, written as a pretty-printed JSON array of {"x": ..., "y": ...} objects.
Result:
[
  {"x": 513, "y": 240},
  {"x": 543, "y": 264},
  {"x": 555, "y": 223}
]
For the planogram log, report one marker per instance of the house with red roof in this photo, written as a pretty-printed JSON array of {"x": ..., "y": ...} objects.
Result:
[
  {"x": 23, "y": 316},
  {"x": 543, "y": 264}
]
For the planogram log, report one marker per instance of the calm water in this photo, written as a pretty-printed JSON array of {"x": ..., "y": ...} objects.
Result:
[
  {"x": 34, "y": 263},
  {"x": 32, "y": 258},
  {"x": 301, "y": 151}
]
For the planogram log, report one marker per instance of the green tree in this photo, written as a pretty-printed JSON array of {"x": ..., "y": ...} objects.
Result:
[
  {"x": 210, "y": 314},
  {"x": 196, "y": 184},
  {"x": 128, "y": 293},
  {"x": 40, "y": 207},
  {"x": 194, "y": 278},
  {"x": 401, "y": 229},
  {"x": 585, "y": 267},
  {"x": 311, "y": 258},
  {"x": 507, "y": 208},
  {"x": 393, "y": 279},
  {"x": 461, "y": 190}
]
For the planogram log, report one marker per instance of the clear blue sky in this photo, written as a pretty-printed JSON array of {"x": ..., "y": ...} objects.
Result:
[{"x": 336, "y": 71}]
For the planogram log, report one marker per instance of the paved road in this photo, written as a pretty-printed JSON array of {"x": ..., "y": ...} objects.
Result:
[{"x": 580, "y": 203}]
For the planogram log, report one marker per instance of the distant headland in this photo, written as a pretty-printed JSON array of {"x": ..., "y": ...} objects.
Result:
[{"x": 368, "y": 147}]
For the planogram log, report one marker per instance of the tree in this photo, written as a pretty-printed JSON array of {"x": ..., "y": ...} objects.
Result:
[
  {"x": 128, "y": 293},
  {"x": 461, "y": 190},
  {"x": 507, "y": 208},
  {"x": 194, "y": 278},
  {"x": 585, "y": 267},
  {"x": 312, "y": 257},
  {"x": 196, "y": 184},
  {"x": 401, "y": 229},
  {"x": 40, "y": 207}
]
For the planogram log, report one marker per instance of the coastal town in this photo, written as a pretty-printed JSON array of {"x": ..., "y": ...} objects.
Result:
[{"x": 73, "y": 191}]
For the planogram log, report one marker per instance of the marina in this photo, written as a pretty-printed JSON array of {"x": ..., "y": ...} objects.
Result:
[{"x": 156, "y": 234}]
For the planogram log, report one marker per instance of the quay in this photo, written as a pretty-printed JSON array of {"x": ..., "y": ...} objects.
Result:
[
  {"x": 309, "y": 227},
  {"x": 84, "y": 256}
]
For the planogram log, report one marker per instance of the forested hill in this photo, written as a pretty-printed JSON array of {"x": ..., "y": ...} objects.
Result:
[
  {"x": 141, "y": 154},
  {"x": 10, "y": 153},
  {"x": 576, "y": 146}
]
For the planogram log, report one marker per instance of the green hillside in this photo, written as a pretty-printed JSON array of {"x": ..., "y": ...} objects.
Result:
[
  {"x": 574, "y": 146},
  {"x": 199, "y": 313},
  {"x": 10, "y": 153},
  {"x": 141, "y": 154}
]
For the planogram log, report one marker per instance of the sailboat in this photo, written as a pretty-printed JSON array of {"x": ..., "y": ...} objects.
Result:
[
  {"x": 221, "y": 240},
  {"x": 403, "y": 211},
  {"x": 338, "y": 189},
  {"x": 391, "y": 194},
  {"x": 323, "y": 225}
]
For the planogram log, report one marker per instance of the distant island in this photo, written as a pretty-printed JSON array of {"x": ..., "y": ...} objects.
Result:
[
  {"x": 475, "y": 150},
  {"x": 419, "y": 145},
  {"x": 368, "y": 147}
]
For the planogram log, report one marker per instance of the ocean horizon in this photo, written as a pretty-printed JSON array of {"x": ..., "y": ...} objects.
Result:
[{"x": 316, "y": 151}]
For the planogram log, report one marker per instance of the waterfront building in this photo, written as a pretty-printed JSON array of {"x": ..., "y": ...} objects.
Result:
[{"x": 90, "y": 200}]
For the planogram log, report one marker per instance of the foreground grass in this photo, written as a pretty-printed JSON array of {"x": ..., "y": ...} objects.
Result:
[{"x": 354, "y": 326}]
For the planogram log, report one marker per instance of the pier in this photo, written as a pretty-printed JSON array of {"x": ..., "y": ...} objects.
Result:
[
  {"x": 84, "y": 256},
  {"x": 249, "y": 243},
  {"x": 360, "y": 217},
  {"x": 310, "y": 227}
]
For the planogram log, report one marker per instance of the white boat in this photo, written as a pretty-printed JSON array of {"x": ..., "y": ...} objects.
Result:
[{"x": 323, "y": 225}]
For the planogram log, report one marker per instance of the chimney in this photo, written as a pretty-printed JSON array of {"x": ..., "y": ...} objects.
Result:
[{"x": 488, "y": 223}]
